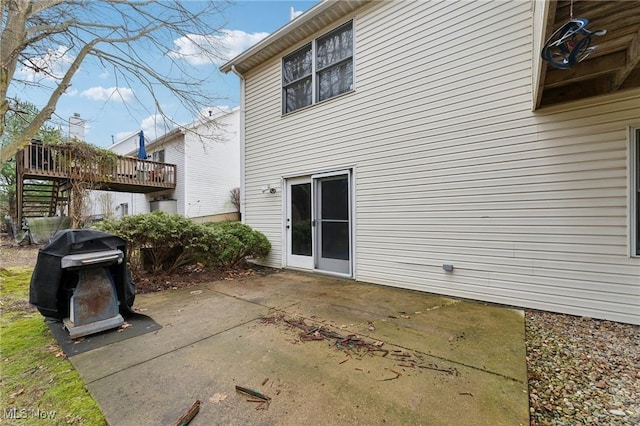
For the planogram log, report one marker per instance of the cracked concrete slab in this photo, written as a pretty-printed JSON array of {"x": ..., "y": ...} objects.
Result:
[{"x": 214, "y": 338}]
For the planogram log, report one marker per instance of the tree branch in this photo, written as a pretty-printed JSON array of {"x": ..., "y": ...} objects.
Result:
[
  {"x": 47, "y": 111},
  {"x": 133, "y": 32}
]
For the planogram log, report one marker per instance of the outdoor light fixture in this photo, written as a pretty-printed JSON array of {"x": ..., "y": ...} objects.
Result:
[{"x": 271, "y": 189}]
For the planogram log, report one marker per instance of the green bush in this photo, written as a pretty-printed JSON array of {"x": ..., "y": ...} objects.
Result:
[
  {"x": 163, "y": 242},
  {"x": 235, "y": 241},
  {"x": 158, "y": 241}
]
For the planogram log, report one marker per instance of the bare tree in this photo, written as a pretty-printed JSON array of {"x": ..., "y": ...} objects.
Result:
[
  {"x": 119, "y": 34},
  {"x": 234, "y": 195},
  {"x": 105, "y": 203}
]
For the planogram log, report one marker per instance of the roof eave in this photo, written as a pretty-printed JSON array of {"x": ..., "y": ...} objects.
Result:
[{"x": 304, "y": 22}]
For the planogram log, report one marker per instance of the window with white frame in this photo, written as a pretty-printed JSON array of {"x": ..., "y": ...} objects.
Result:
[
  {"x": 634, "y": 194},
  {"x": 319, "y": 70},
  {"x": 158, "y": 156},
  {"x": 297, "y": 79}
]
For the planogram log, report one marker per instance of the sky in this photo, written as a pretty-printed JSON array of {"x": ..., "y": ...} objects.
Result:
[{"x": 110, "y": 116}]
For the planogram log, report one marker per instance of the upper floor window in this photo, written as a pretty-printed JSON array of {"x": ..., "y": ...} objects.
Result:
[
  {"x": 334, "y": 62},
  {"x": 319, "y": 70},
  {"x": 297, "y": 79}
]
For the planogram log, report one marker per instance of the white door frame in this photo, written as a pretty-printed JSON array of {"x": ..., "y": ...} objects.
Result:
[
  {"x": 311, "y": 262},
  {"x": 292, "y": 260},
  {"x": 329, "y": 265}
]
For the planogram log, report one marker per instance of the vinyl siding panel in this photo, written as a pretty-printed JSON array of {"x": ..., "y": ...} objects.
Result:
[
  {"x": 212, "y": 162},
  {"x": 106, "y": 204},
  {"x": 174, "y": 153},
  {"x": 452, "y": 166}
]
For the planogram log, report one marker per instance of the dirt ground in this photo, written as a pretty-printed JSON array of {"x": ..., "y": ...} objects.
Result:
[
  {"x": 14, "y": 255},
  {"x": 11, "y": 254}
]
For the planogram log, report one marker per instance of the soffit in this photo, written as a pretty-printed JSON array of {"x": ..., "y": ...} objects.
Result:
[{"x": 613, "y": 67}]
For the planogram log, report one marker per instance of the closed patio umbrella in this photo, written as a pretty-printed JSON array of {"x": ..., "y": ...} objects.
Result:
[{"x": 142, "y": 153}]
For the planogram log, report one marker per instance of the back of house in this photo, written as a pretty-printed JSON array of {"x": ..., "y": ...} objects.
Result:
[{"x": 426, "y": 145}]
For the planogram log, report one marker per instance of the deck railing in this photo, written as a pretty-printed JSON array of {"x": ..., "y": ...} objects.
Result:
[{"x": 50, "y": 161}]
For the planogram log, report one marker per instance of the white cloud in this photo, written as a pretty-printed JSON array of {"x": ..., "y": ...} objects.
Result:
[
  {"x": 297, "y": 13},
  {"x": 216, "y": 49},
  {"x": 155, "y": 125},
  {"x": 99, "y": 93},
  {"x": 51, "y": 65},
  {"x": 71, "y": 92},
  {"x": 104, "y": 75}
]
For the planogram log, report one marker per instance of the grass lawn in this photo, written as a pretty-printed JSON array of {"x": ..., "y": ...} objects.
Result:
[{"x": 38, "y": 384}]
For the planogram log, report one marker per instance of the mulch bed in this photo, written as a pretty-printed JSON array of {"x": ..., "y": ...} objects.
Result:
[
  {"x": 14, "y": 255},
  {"x": 196, "y": 274}
]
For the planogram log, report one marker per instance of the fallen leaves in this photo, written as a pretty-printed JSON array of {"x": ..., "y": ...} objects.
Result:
[
  {"x": 17, "y": 393},
  {"x": 123, "y": 327},
  {"x": 397, "y": 375},
  {"x": 256, "y": 396},
  {"x": 192, "y": 275},
  {"x": 359, "y": 347}
]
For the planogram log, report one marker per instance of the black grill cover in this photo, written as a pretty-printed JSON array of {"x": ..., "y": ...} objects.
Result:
[{"x": 52, "y": 287}]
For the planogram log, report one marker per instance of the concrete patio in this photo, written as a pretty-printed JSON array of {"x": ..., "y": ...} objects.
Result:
[{"x": 449, "y": 361}]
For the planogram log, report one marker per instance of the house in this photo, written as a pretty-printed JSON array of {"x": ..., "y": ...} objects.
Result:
[
  {"x": 207, "y": 158},
  {"x": 426, "y": 145}
]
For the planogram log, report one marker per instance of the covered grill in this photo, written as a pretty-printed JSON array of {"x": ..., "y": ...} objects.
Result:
[{"x": 81, "y": 278}]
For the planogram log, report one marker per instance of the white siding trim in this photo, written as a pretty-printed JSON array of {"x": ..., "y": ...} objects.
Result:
[{"x": 633, "y": 201}]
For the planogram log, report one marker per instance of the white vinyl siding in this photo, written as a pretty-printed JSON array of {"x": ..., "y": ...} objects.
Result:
[
  {"x": 453, "y": 167},
  {"x": 212, "y": 161},
  {"x": 173, "y": 154}
]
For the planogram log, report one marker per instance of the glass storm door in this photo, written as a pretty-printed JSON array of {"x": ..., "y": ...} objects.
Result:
[
  {"x": 333, "y": 222},
  {"x": 318, "y": 222},
  {"x": 298, "y": 223}
]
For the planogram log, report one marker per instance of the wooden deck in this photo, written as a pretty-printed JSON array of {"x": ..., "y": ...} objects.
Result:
[
  {"x": 45, "y": 175},
  {"x": 124, "y": 174}
]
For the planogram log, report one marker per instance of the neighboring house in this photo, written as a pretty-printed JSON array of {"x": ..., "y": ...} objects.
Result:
[
  {"x": 425, "y": 145},
  {"x": 207, "y": 158}
]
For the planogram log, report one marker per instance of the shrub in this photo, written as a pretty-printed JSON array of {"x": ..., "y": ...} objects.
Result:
[
  {"x": 169, "y": 241},
  {"x": 165, "y": 241},
  {"x": 236, "y": 241}
]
